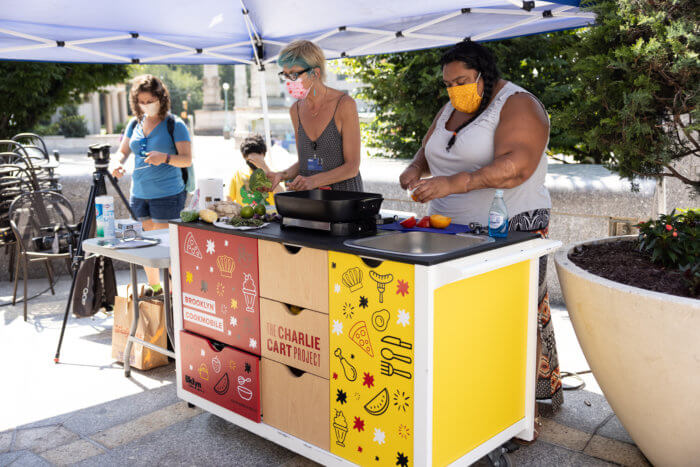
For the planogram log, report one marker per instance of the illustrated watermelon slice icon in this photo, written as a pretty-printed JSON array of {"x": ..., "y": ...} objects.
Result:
[
  {"x": 221, "y": 387},
  {"x": 191, "y": 247},
  {"x": 379, "y": 403}
]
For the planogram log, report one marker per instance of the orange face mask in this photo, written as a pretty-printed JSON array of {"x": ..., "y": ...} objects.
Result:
[{"x": 465, "y": 97}]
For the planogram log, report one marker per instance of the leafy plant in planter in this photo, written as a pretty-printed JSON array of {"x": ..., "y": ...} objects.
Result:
[{"x": 673, "y": 241}]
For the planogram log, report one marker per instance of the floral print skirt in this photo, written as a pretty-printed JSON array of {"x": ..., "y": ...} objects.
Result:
[{"x": 549, "y": 385}]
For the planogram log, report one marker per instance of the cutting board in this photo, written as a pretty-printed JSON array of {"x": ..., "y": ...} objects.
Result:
[{"x": 450, "y": 229}]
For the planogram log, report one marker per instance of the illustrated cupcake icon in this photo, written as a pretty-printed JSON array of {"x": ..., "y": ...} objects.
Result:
[
  {"x": 249, "y": 292},
  {"x": 340, "y": 425}
]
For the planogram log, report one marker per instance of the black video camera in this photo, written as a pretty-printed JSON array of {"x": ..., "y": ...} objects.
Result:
[{"x": 99, "y": 152}]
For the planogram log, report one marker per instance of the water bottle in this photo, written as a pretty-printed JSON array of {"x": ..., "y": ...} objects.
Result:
[{"x": 498, "y": 217}]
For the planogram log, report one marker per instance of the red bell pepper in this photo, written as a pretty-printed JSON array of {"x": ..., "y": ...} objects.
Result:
[
  {"x": 424, "y": 223},
  {"x": 408, "y": 223}
]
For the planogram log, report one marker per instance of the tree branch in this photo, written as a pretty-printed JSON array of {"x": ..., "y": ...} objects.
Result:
[
  {"x": 674, "y": 174},
  {"x": 680, "y": 176},
  {"x": 677, "y": 121}
]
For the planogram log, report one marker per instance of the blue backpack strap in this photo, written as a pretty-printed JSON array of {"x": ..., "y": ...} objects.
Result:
[
  {"x": 132, "y": 125},
  {"x": 170, "y": 121}
]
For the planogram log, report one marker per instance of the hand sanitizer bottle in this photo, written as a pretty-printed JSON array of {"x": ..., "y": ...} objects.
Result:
[{"x": 498, "y": 217}]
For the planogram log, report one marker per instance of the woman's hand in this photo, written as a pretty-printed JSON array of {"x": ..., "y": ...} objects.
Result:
[
  {"x": 409, "y": 177},
  {"x": 118, "y": 172},
  {"x": 275, "y": 179},
  {"x": 302, "y": 183},
  {"x": 155, "y": 158},
  {"x": 434, "y": 188}
]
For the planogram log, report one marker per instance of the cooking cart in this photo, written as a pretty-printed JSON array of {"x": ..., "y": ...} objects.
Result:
[{"x": 348, "y": 353}]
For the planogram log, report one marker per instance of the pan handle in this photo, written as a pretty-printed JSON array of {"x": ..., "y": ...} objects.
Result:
[{"x": 368, "y": 204}]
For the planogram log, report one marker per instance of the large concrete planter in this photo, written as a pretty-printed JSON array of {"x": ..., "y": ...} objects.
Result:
[{"x": 644, "y": 350}]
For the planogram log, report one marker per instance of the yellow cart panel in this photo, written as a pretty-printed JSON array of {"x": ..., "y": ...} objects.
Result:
[{"x": 480, "y": 342}]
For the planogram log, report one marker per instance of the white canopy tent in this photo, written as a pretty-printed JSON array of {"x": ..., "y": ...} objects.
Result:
[{"x": 254, "y": 31}]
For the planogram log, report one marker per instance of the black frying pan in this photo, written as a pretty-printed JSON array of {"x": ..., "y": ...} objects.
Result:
[{"x": 328, "y": 205}]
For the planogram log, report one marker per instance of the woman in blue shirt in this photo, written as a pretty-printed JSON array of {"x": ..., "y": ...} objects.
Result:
[{"x": 157, "y": 187}]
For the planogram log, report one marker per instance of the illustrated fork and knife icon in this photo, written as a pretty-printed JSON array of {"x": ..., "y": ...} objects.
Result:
[{"x": 387, "y": 367}]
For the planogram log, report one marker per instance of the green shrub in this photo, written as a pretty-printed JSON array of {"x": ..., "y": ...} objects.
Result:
[
  {"x": 673, "y": 241},
  {"x": 72, "y": 125},
  {"x": 46, "y": 129},
  {"x": 119, "y": 128}
]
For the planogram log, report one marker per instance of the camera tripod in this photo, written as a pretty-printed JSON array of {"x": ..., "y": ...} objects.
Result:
[{"x": 100, "y": 153}]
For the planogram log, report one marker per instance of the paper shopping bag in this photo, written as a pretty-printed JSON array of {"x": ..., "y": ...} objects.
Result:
[{"x": 150, "y": 328}]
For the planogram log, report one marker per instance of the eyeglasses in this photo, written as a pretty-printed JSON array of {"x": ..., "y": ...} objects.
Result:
[{"x": 294, "y": 75}]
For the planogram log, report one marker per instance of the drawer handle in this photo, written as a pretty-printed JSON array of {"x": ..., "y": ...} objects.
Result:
[
  {"x": 371, "y": 262},
  {"x": 293, "y": 249},
  {"x": 216, "y": 346},
  {"x": 297, "y": 373},
  {"x": 292, "y": 309}
]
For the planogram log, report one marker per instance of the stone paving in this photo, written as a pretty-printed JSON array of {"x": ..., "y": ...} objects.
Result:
[{"x": 83, "y": 411}]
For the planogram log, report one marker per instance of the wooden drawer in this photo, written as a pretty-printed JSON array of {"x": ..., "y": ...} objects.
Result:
[
  {"x": 294, "y": 275},
  {"x": 221, "y": 374},
  {"x": 298, "y": 339},
  {"x": 296, "y": 403},
  {"x": 219, "y": 277}
]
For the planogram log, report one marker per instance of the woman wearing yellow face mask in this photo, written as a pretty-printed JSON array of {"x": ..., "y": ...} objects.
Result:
[{"x": 492, "y": 134}]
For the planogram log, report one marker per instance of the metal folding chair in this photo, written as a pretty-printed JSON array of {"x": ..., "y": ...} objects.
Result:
[{"x": 35, "y": 215}]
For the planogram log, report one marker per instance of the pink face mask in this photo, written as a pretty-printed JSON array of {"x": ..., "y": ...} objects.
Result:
[{"x": 296, "y": 89}]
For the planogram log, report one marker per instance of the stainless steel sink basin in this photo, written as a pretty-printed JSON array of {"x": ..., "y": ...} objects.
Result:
[{"x": 419, "y": 243}]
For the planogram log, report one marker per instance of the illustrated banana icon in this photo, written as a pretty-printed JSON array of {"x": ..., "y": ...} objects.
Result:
[{"x": 382, "y": 280}]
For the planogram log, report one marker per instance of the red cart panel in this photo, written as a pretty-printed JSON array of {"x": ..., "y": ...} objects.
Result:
[
  {"x": 219, "y": 277},
  {"x": 227, "y": 377}
]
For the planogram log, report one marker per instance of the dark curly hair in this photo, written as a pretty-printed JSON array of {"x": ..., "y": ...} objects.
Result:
[
  {"x": 253, "y": 143},
  {"x": 153, "y": 85},
  {"x": 476, "y": 57}
]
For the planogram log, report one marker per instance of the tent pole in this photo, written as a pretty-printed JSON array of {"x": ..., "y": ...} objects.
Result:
[
  {"x": 266, "y": 113},
  {"x": 257, "y": 44}
]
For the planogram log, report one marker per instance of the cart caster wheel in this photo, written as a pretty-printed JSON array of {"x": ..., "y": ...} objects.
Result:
[
  {"x": 511, "y": 446},
  {"x": 499, "y": 458},
  {"x": 190, "y": 405}
]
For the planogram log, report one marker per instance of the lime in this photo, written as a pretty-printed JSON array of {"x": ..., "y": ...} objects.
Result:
[
  {"x": 260, "y": 210},
  {"x": 247, "y": 212}
]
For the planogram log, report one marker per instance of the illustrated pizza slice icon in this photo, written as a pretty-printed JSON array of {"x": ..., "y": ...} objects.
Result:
[
  {"x": 360, "y": 336},
  {"x": 191, "y": 247}
]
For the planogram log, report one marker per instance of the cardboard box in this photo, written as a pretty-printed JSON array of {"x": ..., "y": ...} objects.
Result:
[
  {"x": 299, "y": 340},
  {"x": 225, "y": 376},
  {"x": 297, "y": 403}
]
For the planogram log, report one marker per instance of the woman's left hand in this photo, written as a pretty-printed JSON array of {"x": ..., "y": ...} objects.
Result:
[
  {"x": 155, "y": 158},
  {"x": 301, "y": 184},
  {"x": 433, "y": 188}
]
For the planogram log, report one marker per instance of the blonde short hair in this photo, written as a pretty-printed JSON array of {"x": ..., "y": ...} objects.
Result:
[{"x": 305, "y": 54}]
